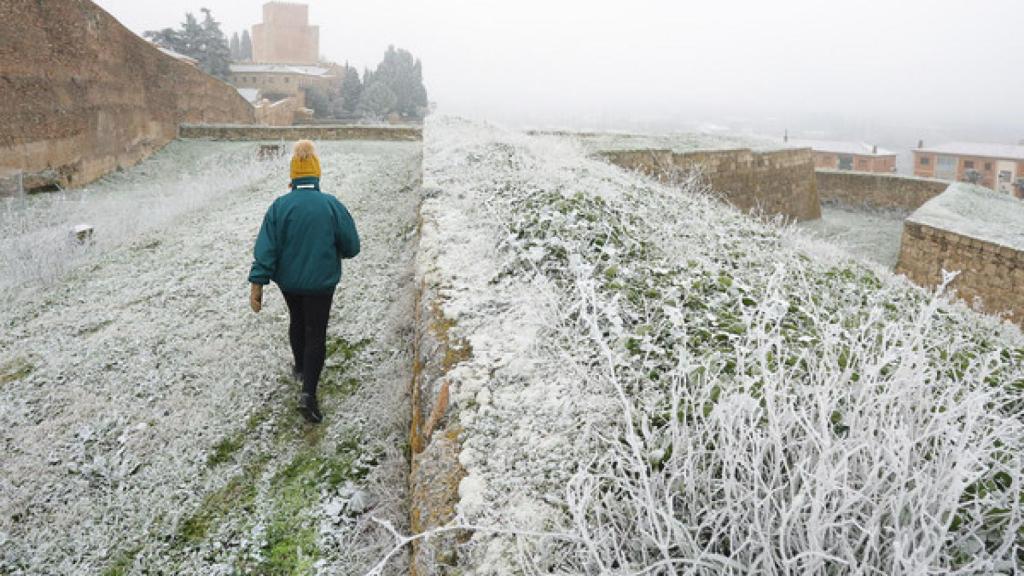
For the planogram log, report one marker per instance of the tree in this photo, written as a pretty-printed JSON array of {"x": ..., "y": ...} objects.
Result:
[
  {"x": 204, "y": 42},
  {"x": 319, "y": 100},
  {"x": 351, "y": 90},
  {"x": 236, "y": 47},
  {"x": 246, "y": 47},
  {"x": 378, "y": 100},
  {"x": 402, "y": 75},
  {"x": 215, "y": 54}
]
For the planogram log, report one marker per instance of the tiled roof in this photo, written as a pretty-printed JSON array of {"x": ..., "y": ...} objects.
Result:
[
  {"x": 840, "y": 147},
  {"x": 974, "y": 149},
  {"x": 279, "y": 69}
]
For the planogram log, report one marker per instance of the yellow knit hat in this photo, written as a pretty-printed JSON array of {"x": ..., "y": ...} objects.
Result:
[{"x": 305, "y": 163}]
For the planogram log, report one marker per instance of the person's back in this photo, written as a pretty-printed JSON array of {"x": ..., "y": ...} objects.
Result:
[
  {"x": 310, "y": 251},
  {"x": 304, "y": 236}
]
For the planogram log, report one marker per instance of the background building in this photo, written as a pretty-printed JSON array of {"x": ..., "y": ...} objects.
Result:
[
  {"x": 285, "y": 36},
  {"x": 996, "y": 166},
  {"x": 279, "y": 81},
  {"x": 838, "y": 155}
]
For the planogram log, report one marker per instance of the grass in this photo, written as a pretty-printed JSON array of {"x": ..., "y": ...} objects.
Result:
[
  {"x": 291, "y": 547},
  {"x": 294, "y": 490},
  {"x": 15, "y": 370},
  {"x": 238, "y": 494},
  {"x": 122, "y": 563},
  {"x": 225, "y": 450}
]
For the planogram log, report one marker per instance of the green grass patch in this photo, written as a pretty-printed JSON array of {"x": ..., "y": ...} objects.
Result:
[
  {"x": 238, "y": 494},
  {"x": 122, "y": 563},
  {"x": 15, "y": 370},
  {"x": 225, "y": 450},
  {"x": 291, "y": 531}
]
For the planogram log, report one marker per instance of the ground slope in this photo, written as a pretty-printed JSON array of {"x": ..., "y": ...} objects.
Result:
[
  {"x": 659, "y": 384},
  {"x": 147, "y": 414}
]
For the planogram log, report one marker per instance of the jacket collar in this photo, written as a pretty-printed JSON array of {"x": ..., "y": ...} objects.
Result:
[{"x": 311, "y": 182}]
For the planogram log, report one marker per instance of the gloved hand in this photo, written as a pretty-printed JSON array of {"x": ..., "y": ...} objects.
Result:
[{"x": 256, "y": 298}]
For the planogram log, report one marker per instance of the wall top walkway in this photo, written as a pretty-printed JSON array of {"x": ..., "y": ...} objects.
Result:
[{"x": 328, "y": 132}]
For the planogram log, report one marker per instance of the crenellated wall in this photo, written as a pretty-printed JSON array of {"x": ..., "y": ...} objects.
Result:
[
  {"x": 778, "y": 182},
  {"x": 84, "y": 96},
  {"x": 877, "y": 191}
]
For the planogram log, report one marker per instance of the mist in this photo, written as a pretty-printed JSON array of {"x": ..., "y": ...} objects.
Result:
[{"x": 878, "y": 69}]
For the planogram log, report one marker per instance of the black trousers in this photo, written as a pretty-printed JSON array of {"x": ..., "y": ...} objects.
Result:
[{"x": 308, "y": 335}]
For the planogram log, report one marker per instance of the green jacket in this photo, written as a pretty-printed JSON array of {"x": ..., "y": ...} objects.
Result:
[{"x": 304, "y": 236}]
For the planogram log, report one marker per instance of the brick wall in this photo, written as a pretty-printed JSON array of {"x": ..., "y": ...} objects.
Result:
[
  {"x": 992, "y": 273},
  {"x": 83, "y": 96},
  {"x": 280, "y": 113},
  {"x": 246, "y": 133},
  {"x": 780, "y": 182},
  {"x": 876, "y": 191}
]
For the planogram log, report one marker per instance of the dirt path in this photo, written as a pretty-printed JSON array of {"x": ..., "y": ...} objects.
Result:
[{"x": 146, "y": 416}]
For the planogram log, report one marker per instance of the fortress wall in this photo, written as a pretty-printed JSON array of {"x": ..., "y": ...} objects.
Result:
[
  {"x": 877, "y": 191},
  {"x": 990, "y": 273},
  {"x": 779, "y": 182},
  {"x": 84, "y": 96},
  {"x": 290, "y": 133}
]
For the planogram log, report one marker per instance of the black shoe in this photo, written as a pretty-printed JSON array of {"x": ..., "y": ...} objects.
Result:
[{"x": 309, "y": 409}]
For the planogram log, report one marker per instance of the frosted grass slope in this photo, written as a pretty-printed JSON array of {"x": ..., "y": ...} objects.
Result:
[
  {"x": 663, "y": 385},
  {"x": 36, "y": 248},
  {"x": 147, "y": 417}
]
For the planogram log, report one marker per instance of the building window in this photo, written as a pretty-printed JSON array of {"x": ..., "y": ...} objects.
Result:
[
  {"x": 969, "y": 164},
  {"x": 988, "y": 166},
  {"x": 845, "y": 162},
  {"x": 925, "y": 160},
  {"x": 945, "y": 168}
]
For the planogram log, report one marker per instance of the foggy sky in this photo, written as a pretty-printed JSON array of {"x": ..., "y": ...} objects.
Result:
[{"x": 816, "y": 64}]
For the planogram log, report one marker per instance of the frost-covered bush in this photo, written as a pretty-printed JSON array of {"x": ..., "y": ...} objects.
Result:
[{"x": 776, "y": 413}]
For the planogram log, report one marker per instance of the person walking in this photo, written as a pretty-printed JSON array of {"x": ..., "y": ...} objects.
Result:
[{"x": 305, "y": 235}]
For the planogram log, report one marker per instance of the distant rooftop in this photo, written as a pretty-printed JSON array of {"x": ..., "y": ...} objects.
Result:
[
  {"x": 250, "y": 94},
  {"x": 840, "y": 147},
  {"x": 677, "y": 142},
  {"x": 176, "y": 55},
  {"x": 279, "y": 69},
  {"x": 976, "y": 212},
  {"x": 1006, "y": 151}
]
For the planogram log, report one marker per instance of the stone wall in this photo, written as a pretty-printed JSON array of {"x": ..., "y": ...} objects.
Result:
[
  {"x": 84, "y": 96},
  {"x": 435, "y": 471},
  {"x": 280, "y": 113},
  {"x": 289, "y": 133},
  {"x": 991, "y": 273},
  {"x": 779, "y": 182},
  {"x": 877, "y": 191}
]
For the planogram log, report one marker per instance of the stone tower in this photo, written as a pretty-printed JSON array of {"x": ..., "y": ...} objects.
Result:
[{"x": 285, "y": 36}]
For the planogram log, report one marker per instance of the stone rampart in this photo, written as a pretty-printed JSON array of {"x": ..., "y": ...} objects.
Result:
[
  {"x": 84, "y": 96},
  {"x": 977, "y": 233},
  {"x": 778, "y": 182},
  {"x": 290, "y": 133},
  {"x": 877, "y": 191}
]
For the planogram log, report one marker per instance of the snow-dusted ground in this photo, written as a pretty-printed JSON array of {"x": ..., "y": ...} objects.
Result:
[
  {"x": 870, "y": 235},
  {"x": 658, "y": 384},
  {"x": 678, "y": 142},
  {"x": 976, "y": 212},
  {"x": 146, "y": 415},
  {"x": 661, "y": 385}
]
